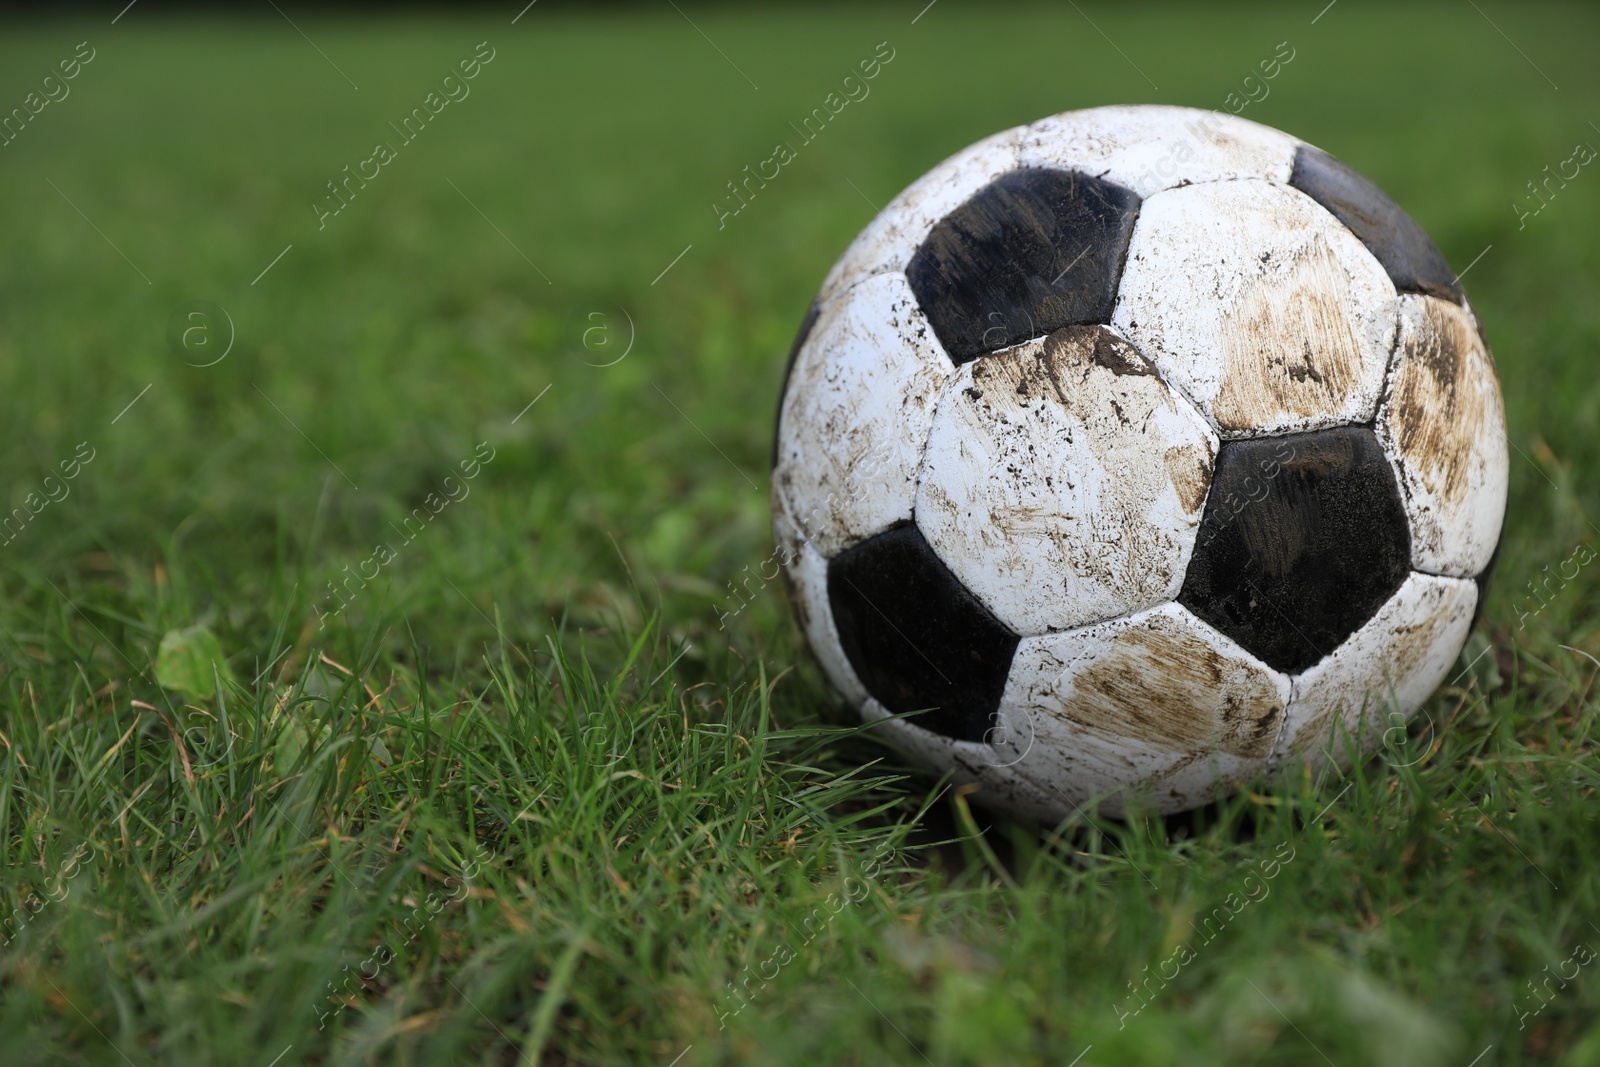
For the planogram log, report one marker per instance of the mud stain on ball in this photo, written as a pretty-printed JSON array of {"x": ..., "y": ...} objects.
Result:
[
  {"x": 1190, "y": 473},
  {"x": 1163, "y": 683},
  {"x": 1287, "y": 343},
  {"x": 1118, "y": 356},
  {"x": 1439, "y": 407}
]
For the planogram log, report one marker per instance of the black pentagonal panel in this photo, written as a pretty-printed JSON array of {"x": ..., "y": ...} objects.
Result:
[
  {"x": 916, "y": 638},
  {"x": 1403, "y": 247},
  {"x": 1031, "y": 252},
  {"x": 788, "y": 370},
  {"x": 1304, "y": 537}
]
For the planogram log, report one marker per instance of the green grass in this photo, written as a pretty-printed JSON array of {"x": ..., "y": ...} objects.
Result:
[{"x": 522, "y": 797}]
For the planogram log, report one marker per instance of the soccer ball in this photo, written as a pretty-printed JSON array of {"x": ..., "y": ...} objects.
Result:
[{"x": 1135, "y": 454}]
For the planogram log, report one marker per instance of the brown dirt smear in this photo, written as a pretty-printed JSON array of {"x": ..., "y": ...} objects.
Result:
[
  {"x": 1442, "y": 403},
  {"x": 1161, "y": 683},
  {"x": 1287, "y": 343}
]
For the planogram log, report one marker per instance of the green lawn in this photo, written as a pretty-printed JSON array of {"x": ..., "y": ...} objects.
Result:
[{"x": 491, "y": 785}]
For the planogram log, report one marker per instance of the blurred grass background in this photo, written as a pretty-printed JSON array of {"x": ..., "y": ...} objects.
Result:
[{"x": 472, "y": 274}]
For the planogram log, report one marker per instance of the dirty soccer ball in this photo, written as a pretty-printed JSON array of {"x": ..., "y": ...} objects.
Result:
[{"x": 1134, "y": 454}]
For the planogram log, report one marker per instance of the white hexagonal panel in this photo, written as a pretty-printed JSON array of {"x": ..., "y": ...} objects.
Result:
[
  {"x": 892, "y": 237},
  {"x": 1443, "y": 427},
  {"x": 1157, "y": 706},
  {"x": 1063, "y": 482},
  {"x": 1148, "y": 149},
  {"x": 1259, "y": 305},
  {"x": 856, "y": 412},
  {"x": 1380, "y": 675}
]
